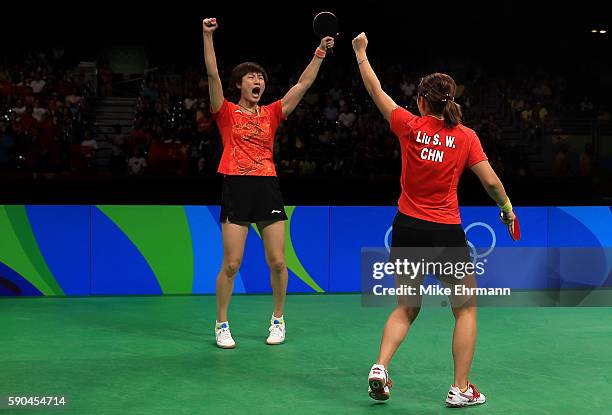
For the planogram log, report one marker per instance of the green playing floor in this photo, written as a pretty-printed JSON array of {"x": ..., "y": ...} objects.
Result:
[{"x": 156, "y": 355}]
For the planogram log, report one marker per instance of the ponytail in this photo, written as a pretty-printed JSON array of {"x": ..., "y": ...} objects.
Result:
[
  {"x": 451, "y": 113},
  {"x": 439, "y": 91}
]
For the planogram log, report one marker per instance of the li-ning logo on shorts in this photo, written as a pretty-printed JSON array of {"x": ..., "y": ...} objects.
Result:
[
  {"x": 473, "y": 253},
  {"x": 276, "y": 211}
]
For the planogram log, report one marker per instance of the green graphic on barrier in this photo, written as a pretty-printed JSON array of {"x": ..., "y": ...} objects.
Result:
[
  {"x": 291, "y": 258},
  {"x": 19, "y": 250},
  {"x": 162, "y": 235}
]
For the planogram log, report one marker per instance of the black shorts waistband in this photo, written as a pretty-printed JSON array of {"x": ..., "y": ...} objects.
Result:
[{"x": 406, "y": 221}]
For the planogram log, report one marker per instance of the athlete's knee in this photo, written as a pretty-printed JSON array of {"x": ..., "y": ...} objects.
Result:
[
  {"x": 465, "y": 311},
  {"x": 277, "y": 265},
  {"x": 410, "y": 312},
  {"x": 231, "y": 267}
]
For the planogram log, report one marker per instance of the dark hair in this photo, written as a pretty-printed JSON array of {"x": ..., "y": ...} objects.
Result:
[
  {"x": 439, "y": 91},
  {"x": 244, "y": 68}
]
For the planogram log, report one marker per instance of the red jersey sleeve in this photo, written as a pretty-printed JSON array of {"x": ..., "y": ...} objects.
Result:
[
  {"x": 223, "y": 114},
  {"x": 277, "y": 111},
  {"x": 400, "y": 121},
  {"x": 476, "y": 153}
]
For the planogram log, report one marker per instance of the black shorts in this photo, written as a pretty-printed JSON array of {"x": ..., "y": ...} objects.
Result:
[
  {"x": 442, "y": 246},
  {"x": 412, "y": 232},
  {"x": 251, "y": 199}
]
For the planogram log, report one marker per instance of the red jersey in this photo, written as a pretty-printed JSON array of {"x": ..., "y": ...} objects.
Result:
[
  {"x": 433, "y": 159},
  {"x": 248, "y": 139}
]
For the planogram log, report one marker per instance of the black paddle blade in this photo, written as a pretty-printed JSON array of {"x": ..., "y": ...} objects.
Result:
[{"x": 325, "y": 24}]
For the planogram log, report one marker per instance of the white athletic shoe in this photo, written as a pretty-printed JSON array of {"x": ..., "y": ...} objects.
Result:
[
  {"x": 277, "y": 331},
  {"x": 379, "y": 383},
  {"x": 224, "y": 336},
  {"x": 471, "y": 396}
]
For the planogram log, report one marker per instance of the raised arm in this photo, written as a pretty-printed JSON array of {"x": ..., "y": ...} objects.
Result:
[
  {"x": 215, "y": 88},
  {"x": 383, "y": 101},
  {"x": 293, "y": 97}
]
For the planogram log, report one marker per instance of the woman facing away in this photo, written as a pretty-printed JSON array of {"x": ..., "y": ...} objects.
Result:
[
  {"x": 436, "y": 149},
  {"x": 251, "y": 192}
]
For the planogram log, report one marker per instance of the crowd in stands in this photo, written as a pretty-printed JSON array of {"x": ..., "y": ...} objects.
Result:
[
  {"x": 42, "y": 107},
  {"x": 335, "y": 131}
]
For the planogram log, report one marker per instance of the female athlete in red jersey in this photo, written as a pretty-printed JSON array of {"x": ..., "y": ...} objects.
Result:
[
  {"x": 251, "y": 193},
  {"x": 436, "y": 149}
]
